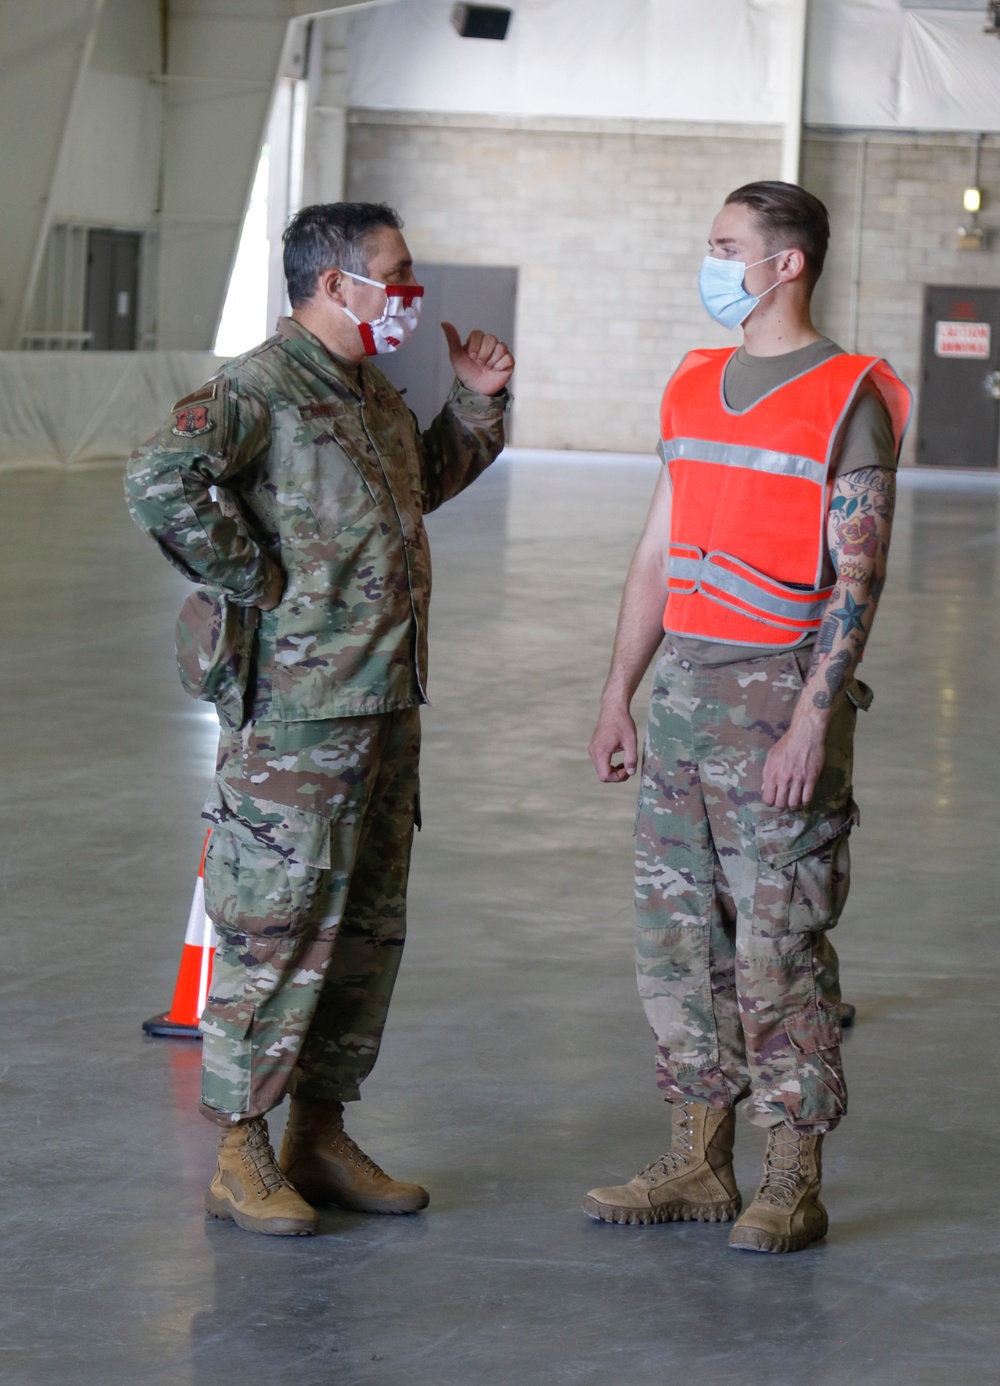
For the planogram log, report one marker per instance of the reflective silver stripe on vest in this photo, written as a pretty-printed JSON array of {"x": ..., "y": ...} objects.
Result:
[
  {"x": 696, "y": 569},
  {"x": 732, "y": 455}
]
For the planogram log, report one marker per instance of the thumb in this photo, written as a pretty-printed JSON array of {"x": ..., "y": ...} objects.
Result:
[{"x": 453, "y": 339}]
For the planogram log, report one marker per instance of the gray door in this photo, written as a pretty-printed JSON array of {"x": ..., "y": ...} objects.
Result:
[
  {"x": 112, "y": 287},
  {"x": 959, "y": 377},
  {"x": 470, "y": 296}
]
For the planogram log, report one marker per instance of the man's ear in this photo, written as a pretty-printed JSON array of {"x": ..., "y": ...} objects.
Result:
[
  {"x": 330, "y": 284},
  {"x": 792, "y": 264}
]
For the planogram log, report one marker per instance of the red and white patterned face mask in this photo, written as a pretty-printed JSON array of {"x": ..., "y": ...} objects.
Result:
[{"x": 398, "y": 320}]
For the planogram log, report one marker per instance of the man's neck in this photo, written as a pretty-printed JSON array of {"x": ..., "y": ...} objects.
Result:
[
  {"x": 780, "y": 331},
  {"x": 340, "y": 343}
]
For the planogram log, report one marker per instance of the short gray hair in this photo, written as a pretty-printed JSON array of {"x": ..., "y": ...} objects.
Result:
[{"x": 330, "y": 235}]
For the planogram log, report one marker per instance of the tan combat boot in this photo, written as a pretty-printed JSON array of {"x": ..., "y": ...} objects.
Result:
[
  {"x": 319, "y": 1155},
  {"x": 250, "y": 1190},
  {"x": 786, "y": 1214},
  {"x": 693, "y": 1182}
]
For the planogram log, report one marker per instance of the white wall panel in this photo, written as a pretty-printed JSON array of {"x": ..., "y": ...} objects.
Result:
[
  {"x": 75, "y": 409},
  {"x": 950, "y": 77},
  {"x": 643, "y": 59},
  {"x": 108, "y": 167},
  {"x": 853, "y": 61},
  {"x": 46, "y": 48},
  {"x": 717, "y": 61},
  {"x": 870, "y": 62},
  {"x": 219, "y": 81}
]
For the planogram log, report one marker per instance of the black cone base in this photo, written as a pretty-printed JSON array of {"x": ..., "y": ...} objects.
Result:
[{"x": 162, "y": 1028}]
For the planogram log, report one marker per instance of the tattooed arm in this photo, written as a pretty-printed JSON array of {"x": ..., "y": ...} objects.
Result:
[{"x": 858, "y": 529}]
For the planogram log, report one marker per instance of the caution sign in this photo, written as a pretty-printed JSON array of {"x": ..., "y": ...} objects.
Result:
[{"x": 966, "y": 340}]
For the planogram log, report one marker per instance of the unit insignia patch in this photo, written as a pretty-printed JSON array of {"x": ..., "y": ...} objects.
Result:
[{"x": 192, "y": 421}]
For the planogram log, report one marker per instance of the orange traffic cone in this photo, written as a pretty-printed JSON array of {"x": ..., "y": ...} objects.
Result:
[{"x": 181, "y": 1021}]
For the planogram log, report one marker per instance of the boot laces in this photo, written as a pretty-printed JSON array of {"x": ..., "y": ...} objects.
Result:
[
  {"x": 681, "y": 1147},
  {"x": 356, "y": 1156},
  {"x": 783, "y": 1168},
  {"x": 259, "y": 1162}
]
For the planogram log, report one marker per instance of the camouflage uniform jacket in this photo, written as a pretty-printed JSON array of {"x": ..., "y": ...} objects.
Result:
[{"x": 319, "y": 468}]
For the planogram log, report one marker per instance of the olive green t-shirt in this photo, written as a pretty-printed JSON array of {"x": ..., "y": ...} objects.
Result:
[{"x": 866, "y": 440}]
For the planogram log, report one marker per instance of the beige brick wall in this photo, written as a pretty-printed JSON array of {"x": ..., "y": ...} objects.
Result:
[
  {"x": 606, "y": 222},
  {"x": 910, "y": 210}
]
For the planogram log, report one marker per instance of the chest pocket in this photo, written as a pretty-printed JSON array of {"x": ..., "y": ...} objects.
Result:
[{"x": 332, "y": 468}]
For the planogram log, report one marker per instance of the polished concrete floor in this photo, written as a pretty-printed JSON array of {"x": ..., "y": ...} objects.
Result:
[{"x": 517, "y": 1068}]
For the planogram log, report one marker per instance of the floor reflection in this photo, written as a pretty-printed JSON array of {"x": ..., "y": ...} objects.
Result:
[{"x": 953, "y": 542}]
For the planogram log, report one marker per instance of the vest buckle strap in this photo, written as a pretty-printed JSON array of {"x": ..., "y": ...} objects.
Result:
[
  {"x": 684, "y": 569},
  {"x": 734, "y": 584}
]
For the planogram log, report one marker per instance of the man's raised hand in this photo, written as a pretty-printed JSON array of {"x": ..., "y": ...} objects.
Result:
[{"x": 482, "y": 363}]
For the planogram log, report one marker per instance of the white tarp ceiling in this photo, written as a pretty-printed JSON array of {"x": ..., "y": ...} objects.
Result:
[{"x": 871, "y": 63}]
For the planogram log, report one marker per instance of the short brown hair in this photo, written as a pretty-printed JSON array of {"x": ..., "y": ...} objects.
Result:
[{"x": 787, "y": 213}]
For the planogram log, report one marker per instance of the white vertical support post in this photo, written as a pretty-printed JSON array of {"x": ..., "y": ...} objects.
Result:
[
  {"x": 278, "y": 141},
  {"x": 853, "y": 325},
  {"x": 284, "y": 139},
  {"x": 791, "y": 143},
  {"x": 326, "y": 120}
]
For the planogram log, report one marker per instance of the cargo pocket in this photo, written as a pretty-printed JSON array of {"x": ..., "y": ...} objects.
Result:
[
  {"x": 812, "y": 1030},
  {"x": 803, "y": 871},
  {"x": 264, "y": 864},
  {"x": 814, "y": 1037}
]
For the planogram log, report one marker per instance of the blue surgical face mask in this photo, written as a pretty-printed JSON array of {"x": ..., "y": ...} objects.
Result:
[{"x": 720, "y": 284}]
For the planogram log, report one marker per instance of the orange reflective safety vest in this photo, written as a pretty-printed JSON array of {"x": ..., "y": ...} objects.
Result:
[{"x": 751, "y": 493}]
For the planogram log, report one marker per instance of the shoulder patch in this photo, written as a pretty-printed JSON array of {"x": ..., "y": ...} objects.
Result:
[
  {"x": 200, "y": 396},
  {"x": 191, "y": 414},
  {"x": 192, "y": 421}
]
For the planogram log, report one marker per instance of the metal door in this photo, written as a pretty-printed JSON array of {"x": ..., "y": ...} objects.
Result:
[
  {"x": 470, "y": 296},
  {"x": 959, "y": 419},
  {"x": 112, "y": 287}
]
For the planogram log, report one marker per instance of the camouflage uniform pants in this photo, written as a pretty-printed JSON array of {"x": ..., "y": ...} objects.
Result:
[
  {"x": 305, "y": 879},
  {"x": 736, "y": 971}
]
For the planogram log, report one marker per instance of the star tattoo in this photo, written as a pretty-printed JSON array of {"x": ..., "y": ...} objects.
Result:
[{"x": 849, "y": 615}]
